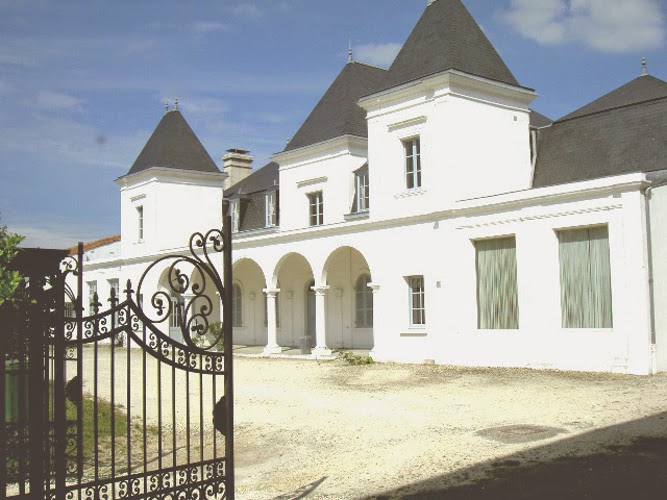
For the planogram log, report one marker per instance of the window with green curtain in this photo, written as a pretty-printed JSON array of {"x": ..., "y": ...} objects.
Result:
[
  {"x": 497, "y": 289},
  {"x": 585, "y": 278}
]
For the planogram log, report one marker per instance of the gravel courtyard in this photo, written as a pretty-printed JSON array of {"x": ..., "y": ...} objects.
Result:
[{"x": 329, "y": 430}]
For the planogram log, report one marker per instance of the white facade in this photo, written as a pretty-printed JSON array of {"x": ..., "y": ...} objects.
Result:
[{"x": 416, "y": 249}]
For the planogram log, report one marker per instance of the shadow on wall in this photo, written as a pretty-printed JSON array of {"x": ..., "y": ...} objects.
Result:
[{"x": 618, "y": 462}]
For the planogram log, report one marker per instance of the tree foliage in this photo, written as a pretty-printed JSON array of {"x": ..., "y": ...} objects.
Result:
[{"x": 9, "y": 280}]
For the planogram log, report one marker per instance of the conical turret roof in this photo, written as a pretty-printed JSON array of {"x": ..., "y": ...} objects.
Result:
[
  {"x": 447, "y": 37},
  {"x": 173, "y": 144},
  {"x": 337, "y": 113}
]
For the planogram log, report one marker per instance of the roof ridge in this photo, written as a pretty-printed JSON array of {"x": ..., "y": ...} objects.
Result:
[{"x": 606, "y": 110}]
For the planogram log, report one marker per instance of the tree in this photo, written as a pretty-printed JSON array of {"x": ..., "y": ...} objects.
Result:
[{"x": 9, "y": 280}]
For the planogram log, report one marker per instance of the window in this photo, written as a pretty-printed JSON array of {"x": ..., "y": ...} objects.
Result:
[
  {"x": 115, "y": 286},
  {"x": 114, "y": 290},
  {"x": 237, "y": 305},
  {"x": 413, "y": 165},
  {"x": 69, "y": 310},
  {"x": 585, "y": 278},
  {"x": 270, "y": 214},
  {"x": 140, "y": 223},
  {"x": 362, "y": 192},
  {"x": 417, "y": 306},
  {"x": 266, "y": 310},
  {"x": 92, "y": 295},
  {"x": 497, "y": 290},
  {"x": 234, "y": 205},
  {"x": 316, "y": 202},
  {"x": 176, "y": 311},
  {"x": 363, "y": 302}
]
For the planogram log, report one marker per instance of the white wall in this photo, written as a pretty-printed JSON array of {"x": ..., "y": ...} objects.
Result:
[{"x": 658, "y": 220}]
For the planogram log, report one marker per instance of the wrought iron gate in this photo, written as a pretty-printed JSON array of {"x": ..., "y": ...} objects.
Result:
[{"x": 107, "y": 405}]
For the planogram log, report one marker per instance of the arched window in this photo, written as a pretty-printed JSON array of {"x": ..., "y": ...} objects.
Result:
[
  {"x": 363, "y": 302},
  {"x": 237, "y": 305}
]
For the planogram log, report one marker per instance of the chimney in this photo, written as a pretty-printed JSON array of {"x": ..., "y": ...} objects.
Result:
[{"x": 237, "y": 164}]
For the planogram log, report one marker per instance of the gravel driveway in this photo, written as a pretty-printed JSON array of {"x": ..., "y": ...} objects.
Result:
[
  {"x": 307, "y": 429},
  {"x": 418, "y": 431}
]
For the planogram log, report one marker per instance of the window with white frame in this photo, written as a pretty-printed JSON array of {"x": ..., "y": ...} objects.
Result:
[
  {"x": 417, "y": 303},
  {"x": 234, "y": 212},
  {"x": 413, "y": 166},
  {"x": 316, "y": 208},
  {"x": 237, "y": 305},
  {"x": 175, "y": 319},
  {"x": 585, "y": 277},
  {"x": 114, "y": 290},
  {"x": 270, "y": 212},
  {"x": 140, "y": 223},
  {"x": 363, "y": 302},
  {"x": 362, "y": 191},
  {"x": 92, "y": 292},
  {"x": 497, "y": 288}
]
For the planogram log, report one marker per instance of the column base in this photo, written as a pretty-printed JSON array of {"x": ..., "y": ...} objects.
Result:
[
  {"x": 272, "y": 349},
  {"x": 321, "y": 351}
]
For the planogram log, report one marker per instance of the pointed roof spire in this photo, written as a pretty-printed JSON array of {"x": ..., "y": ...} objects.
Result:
[
  {"x": 173, "y": 144},
  {"x": 337, "y": 113},
  {"x": 644, "y": 68},
  {"x": 447, "y": 37}
]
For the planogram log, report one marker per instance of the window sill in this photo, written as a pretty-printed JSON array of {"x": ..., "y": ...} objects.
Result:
[
  {"x": 408, "y": 193},
  {"x": 415, "y": 333},
  {"x": 357, "y": 216}
]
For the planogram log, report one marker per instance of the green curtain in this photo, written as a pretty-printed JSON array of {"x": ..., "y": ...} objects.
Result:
[
  {"x": 497, "y": 289},
  {"x": 585, "y": 278}
]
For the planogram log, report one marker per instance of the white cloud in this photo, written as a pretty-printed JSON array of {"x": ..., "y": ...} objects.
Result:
[
  {"x": 47, "y": 100},
  {"x": 604, "y": 25},
  {"x": 378, "y": 54},
  {"x": 248, "y": 10},
  {"x": 203, "y": 27},
  {"x": 55, "y": 233}
]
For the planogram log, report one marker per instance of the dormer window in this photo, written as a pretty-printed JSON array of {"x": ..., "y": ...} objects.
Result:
[
  {"x": 413, "y": 166},
  {"x": 140, "y": 223},
  {"x": 270, "y": 209},
  {"x": 362, "y": 191}
]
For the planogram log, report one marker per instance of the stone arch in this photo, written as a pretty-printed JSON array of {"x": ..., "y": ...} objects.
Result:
[
  {"x": 249, "y": 275},
  {"x": 346, "y": 329},
  {"x": 293, "y": 272}
]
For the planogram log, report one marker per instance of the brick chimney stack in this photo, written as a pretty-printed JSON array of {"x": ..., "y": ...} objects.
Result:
[{"x": 237, "y": 164}]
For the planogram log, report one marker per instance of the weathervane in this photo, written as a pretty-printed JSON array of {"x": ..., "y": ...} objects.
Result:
[
  {"x": 644, "y": 70},
  {"x": 176, "y": 103},
  {"x": 349, "y": 52}
]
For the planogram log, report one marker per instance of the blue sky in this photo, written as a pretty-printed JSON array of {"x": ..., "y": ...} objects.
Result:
[{"x": 83, "y": 83}]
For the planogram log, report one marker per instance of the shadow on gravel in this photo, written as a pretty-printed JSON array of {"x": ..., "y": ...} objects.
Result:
[
  {"x": 619, "y": 462},
  {"x": 302, "y": 492}
]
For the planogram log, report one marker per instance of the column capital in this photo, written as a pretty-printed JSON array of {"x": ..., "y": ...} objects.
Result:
[
  {"x": 320, "y": 290},
  {"x": 271, "y": 292},
  {"x": 374, "y": 287}
]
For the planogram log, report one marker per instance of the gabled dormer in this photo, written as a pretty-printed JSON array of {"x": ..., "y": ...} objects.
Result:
[
  {"x": 450, "y": 121},
  {"x": 318, "y": 168},
  {"x": 172, "y": 189}
]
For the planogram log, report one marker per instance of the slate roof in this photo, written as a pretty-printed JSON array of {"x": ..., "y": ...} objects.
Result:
[
  {"x": 261, "y": 180},
  {"x": 447, "y": 37},
  {"x": 173, "y": 144},
  {"x": 250, "y": 193},
  {"x": 641, "y": 89},
  {"x": 623, "y": 132},
  {"x": 538, "y": 120},
  {"x": 337, "y": 113}
]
